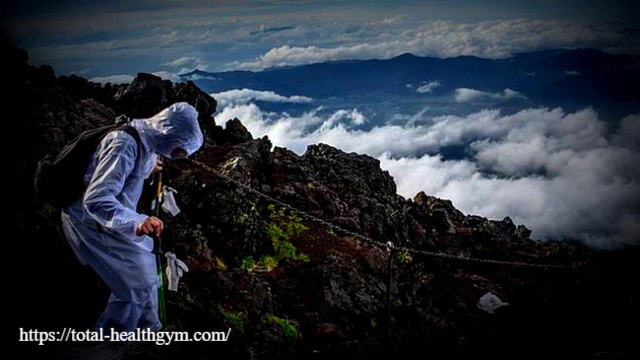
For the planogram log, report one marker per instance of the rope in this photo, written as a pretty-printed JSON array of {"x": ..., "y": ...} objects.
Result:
[
  {"x": 367, "y": 239},
  {"x": 390, "y": 248}
]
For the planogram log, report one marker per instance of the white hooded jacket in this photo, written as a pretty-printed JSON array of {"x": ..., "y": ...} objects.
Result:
[{"x": 100, "y": 227}]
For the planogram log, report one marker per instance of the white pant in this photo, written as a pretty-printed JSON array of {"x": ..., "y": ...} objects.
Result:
[{"x": 128, "y": 269}]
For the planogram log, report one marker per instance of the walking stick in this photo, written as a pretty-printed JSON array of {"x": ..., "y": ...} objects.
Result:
[{"x": 157, "y": 250}]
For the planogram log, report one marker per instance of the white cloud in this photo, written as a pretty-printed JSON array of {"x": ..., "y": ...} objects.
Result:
[
  {"x": 489, "y": 39},
  {"x": 572, "y": 73},
  {"x": 467, "y": 95},
  {"x": 188, "y": 63},
  {"x": 628, "y": 134},
  {"x": 195, "y": 77},
  {"x": 114, "y": 79},
  {"x": 562, "y": 175},
  {"x": 183, "y": 61},
  {"x": 391, "y": 20},
  {"x": 427, "y": 87},
  {"x": 167, "y": 75},
  {"x": 590, "y": 190},
  {"x": 245, "y": 96}
]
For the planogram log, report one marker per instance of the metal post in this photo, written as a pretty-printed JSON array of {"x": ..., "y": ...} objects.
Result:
[{"x": 390, "y": 252}]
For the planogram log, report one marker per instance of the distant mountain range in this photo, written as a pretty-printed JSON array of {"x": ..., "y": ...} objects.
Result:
[{"x": 567, "y": 78}]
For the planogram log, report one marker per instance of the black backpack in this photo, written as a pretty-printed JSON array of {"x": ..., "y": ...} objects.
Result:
[{"x": 59, "y": 179}]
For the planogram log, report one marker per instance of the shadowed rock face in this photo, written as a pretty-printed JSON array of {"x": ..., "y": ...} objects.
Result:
[
  {"x": 335, "y": 301},
  {"x": 147, "y": 94}
]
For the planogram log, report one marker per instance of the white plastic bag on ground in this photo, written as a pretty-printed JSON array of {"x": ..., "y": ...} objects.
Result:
[{"x": 489, "y": 303}]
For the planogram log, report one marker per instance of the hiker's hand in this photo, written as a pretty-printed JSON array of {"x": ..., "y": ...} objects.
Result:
[
  {"x": 158, "y": 166},
  {"x": 152, "y": 225}
]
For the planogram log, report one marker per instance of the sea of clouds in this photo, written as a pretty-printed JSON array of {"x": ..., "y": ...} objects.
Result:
[{"x": 563, "y": 175}]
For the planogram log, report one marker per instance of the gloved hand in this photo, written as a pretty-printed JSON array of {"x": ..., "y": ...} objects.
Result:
[{"x": 175, "y": 269}]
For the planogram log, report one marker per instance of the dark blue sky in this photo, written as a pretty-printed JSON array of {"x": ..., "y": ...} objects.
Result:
[{"x": 123, "y": 37}]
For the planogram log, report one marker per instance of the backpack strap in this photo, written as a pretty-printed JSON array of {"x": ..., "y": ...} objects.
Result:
[{"x": 136, "y": 136}]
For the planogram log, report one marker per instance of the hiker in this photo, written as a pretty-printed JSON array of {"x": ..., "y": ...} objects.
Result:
[{"x": 105, "y": 230}]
